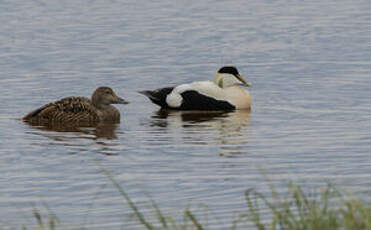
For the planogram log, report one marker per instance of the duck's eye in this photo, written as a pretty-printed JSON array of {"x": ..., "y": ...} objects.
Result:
[{"x": 108, "y": 92}]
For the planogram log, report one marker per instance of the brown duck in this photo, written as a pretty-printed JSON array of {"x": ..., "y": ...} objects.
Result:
[{"x": 80, "y": 109}]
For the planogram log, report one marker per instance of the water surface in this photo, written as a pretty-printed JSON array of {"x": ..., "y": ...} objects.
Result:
[{"x": 309, "y": 62}]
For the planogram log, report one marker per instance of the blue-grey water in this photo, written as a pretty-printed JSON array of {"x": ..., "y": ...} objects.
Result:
[{"x": 309, "y": 62}]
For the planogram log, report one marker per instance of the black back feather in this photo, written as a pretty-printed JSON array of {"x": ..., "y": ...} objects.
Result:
[{"x": 192, "y": 100}]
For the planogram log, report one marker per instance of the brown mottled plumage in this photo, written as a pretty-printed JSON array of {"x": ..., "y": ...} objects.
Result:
[{"x": 80, "y": 109}]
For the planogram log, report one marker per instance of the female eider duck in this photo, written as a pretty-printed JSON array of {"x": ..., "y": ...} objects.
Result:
[
  {"x": 225, "y": 93},
  {"x": 80, "y": 109}
]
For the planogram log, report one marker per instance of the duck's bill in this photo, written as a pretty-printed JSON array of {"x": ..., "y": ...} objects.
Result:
[
  {"x": 244, "y": 82},
  {"x": 248, "y": 84},
  {"x": 121, "y": 101}
]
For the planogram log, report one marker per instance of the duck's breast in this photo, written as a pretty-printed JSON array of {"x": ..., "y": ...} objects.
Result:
[
  {"x": 238, "y": 96},
  {"x": 109, "y": 114}
]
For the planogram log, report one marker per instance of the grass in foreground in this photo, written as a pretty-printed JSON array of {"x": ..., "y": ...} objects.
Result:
[{"x": 328, "y": 209}]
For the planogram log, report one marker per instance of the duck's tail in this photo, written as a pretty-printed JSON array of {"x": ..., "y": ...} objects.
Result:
[{"x": 158, "y": 96}]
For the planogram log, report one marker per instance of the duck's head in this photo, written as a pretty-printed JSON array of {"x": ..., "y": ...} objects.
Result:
[
  {"x": 104, "y": 96},
  {"x": 228, "y": 76}
]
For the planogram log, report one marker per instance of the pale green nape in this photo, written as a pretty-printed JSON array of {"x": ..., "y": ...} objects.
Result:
[
  {"x": 219, "y": 80},
  {"x": 225, "y": 80}
]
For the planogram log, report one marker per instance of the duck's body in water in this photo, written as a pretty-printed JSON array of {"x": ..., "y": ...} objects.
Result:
[
  {"x": 75, "y": 110},
  {"x": 226, "y": 92}
]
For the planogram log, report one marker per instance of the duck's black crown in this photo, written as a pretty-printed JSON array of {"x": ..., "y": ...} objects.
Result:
[{"x": 229, "y": 69}]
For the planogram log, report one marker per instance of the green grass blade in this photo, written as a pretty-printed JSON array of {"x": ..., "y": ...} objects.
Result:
[
  {"x": 138, "y": 214},
  {"x": 194, "y": 220}
]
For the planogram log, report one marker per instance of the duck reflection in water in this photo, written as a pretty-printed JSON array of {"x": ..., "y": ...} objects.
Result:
[
  {"x": 98, "y": 130},
  {"x": 225, "y": 129},
  {"x": 230, "y": 120}
]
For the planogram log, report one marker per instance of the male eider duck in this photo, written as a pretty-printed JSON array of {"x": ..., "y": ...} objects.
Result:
[
  {"x": 80, "y": 109},
  {"x": 225, "y": 93}
]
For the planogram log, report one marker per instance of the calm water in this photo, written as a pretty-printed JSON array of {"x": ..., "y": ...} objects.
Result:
[{"x": 310, "y": 63}]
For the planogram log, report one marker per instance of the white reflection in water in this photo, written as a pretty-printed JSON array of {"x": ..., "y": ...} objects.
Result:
[{"x": 227, "y": 130}]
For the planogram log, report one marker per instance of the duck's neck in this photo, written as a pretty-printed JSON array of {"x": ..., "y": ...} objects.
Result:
[
  {"x": 100, "y": 106},
  {"x": 218, "y": 80}
]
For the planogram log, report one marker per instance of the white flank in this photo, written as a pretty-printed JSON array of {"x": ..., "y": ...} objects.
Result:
[{"x": 174, "y": 99}]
